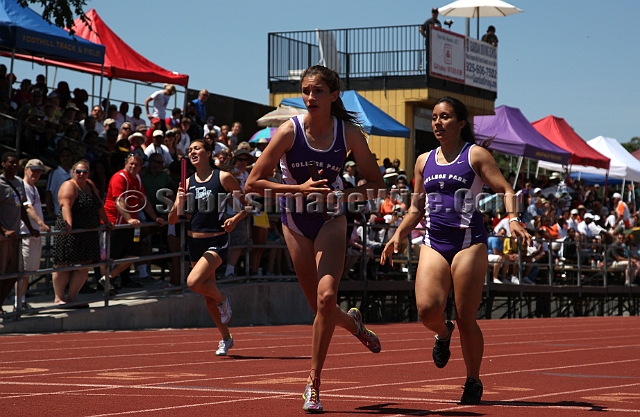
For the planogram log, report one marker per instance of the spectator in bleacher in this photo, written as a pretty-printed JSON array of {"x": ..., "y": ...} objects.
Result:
[
  {"x": 81, "y": 208},
  {"x": 245, "y": 146},
  {"x": 537, "y": 254},
  {"x": 120, "y": 115},
  {"x": 13, "y": 209},
  {"x": 31, "y": 246},
  {"x": 34, "y": 103},
  {"x": 126, "y": 197},
  {"x": 41, "y": 83},
  {"x": 153, "y": 126},
  {"x": 495, "y": 249},
  {"x": 233, "y": 135},
  {"x": 222, "y": 158},
  {"x": 185, "y": 138},
  {"x": 260, "y": 145},
  {"x": 22, "y": 95},
  {"x": 159, "y": 147},
  {"x": 621, "y": 210},
  {"x": 212, "y": 139},
  {"x": 80, "y": 97},
  {"x": 135, "y": 119},
  {"x": 55, "y": 180},
  {"x": 171, "y": 139},
  {"x": 350, "y": 173},
  {"x": 618, "y": 257},
  {"x": 63, "y": 92},
  {"x": 160, "y": 100},
  {"x": 196, "y": 130},
  {"x": 175, "y": 120},
  {"x": 98, "y": 115},
  {"x": 198, "y": 103},
  {"x": 573, "y": 220},
  {"x": 54, "y": 98},
  {"x": 211, "y": 125},
  {"x": 125, "y": 131}
]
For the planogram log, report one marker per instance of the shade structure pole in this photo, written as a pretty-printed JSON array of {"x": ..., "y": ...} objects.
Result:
[
  {"x": 515, "y": 180},
  {"x": 468, "y": 26},
  {"x": 101, "y": 82},
  {"x": 109, "y": 91},
  {"x": 477, "y": 23},
  {"x": 606, "y": 187},
  {"x": 13, "y": 57}
]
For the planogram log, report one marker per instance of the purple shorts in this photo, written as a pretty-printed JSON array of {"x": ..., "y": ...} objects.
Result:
[
  {"x": 307, "y": 225},
  {"x": 451, "y": 241}
]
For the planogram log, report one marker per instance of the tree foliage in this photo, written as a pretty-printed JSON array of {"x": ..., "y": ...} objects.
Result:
[
  {"x": 60, "y": 12},
  {"x": 632, "y": 145}
]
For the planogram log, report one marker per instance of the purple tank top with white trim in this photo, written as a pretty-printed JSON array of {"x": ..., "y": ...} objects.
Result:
[
  {"x": 451, "y": 190},
  {"x": 294, "y": 163}
]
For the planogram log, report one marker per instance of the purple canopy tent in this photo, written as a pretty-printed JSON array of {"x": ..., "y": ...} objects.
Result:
[{"x": 514, "y": 135}]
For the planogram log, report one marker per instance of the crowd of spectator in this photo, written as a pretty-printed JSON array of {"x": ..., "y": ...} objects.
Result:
[
  {"x": 573, "y": 222},
  {"x": 117, "y": 152}
]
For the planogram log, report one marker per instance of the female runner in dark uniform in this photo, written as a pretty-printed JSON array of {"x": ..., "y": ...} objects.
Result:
[
  {"x": 209, "y": 190},
  {"x": 322, "y": 136},
  {"x": 454, "y": 251}
]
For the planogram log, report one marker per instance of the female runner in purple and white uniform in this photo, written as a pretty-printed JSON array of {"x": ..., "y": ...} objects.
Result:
[
  {"x": 324, "y": 136},
  {"x": 454, "y": 254}
]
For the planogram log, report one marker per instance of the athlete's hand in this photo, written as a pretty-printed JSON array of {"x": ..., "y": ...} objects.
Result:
[
  {"x": 519, "y": 231},
  {"x": 390, "y": 248},
  {"x": 229, "y": 224},
  {"x": 312, "y": 186}
]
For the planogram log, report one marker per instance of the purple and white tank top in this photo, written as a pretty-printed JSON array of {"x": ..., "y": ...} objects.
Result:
[
  {"x": 451, "y": 191},
  {"x": 294, "y": 163}
]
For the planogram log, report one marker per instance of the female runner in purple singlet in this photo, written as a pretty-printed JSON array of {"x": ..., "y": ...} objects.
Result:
[
  {"x": 454, "y": 250},
  {"x": 322, "y": 136}
]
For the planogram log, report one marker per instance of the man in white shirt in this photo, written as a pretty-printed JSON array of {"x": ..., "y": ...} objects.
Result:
[
  {"x": 158, "y": 146},
  {"x": 160, "y": 101},
  {"x": 121, "y": 116},
  {"x": 572, "y": 222},
  {"x": 31, "y": 246}
]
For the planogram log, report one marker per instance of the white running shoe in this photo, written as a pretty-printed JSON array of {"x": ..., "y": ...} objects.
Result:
[
  {"x": 225, "y": 309},
  {"x": 223, "y": 346},
  {"x": 515, "y": 280},
  {"x": 497, "y": 281},
  {"x": 311, "y": 399}
]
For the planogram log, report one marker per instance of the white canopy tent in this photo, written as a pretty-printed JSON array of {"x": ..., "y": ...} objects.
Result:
[{"x": 623, "y": 164}]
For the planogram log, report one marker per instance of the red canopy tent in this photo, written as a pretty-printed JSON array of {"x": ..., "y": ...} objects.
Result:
[
  {"x": 558, "y": 131},
  {"x": 120, "y": 60},
  {"x": 636, "y": 154}
]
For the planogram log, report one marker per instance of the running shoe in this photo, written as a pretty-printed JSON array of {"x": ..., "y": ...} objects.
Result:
[
  {"x": 223, "y": 346},
  {"x": 366, "y": 336},
  {"x": 441, "y": 352},
  {"x": 225, "y": 309},
  {"x": 311, "y": 398},
  {"x": 472, "y": 392}
]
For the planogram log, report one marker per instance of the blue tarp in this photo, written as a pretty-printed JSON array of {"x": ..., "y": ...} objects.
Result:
[
  {"x": 374, "y": 121},
  {"x": 27, "y": 32}
]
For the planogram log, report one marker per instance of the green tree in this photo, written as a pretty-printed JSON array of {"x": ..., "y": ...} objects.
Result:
[
  {"x": 632, "y": 145},
  {"x": 60, "y": 12}
]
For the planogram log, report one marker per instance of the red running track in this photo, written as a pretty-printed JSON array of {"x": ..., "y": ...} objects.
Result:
[{"x": 531, "y": 367}]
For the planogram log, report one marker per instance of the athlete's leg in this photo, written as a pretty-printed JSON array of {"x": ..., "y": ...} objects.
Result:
[
  {"x": 467, "y": 271},
  {"x": 202, "y": 279},
  {"x": 320, "y": 283},
  {"x": 433, "y": 284}
]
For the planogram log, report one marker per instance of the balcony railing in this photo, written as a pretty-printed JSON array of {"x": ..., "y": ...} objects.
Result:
[{"x": 353, "y": 53}]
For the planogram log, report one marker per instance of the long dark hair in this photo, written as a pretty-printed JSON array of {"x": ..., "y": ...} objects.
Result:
[
  {"x": 462, "y": 113},
  {"x": 333, "y": 81}
]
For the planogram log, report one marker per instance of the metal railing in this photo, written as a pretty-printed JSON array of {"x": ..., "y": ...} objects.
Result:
[
  {"x": 353, "y": 53},
  {"x": 601, "y": 268}
]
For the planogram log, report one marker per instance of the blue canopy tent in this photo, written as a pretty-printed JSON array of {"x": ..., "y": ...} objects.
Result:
[
  {"x": 374, "y": 121},
  {"x": 24, "y": 31}
]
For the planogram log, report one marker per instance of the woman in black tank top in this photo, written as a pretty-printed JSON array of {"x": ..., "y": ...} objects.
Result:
[{"x": 207, "y": 239}]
